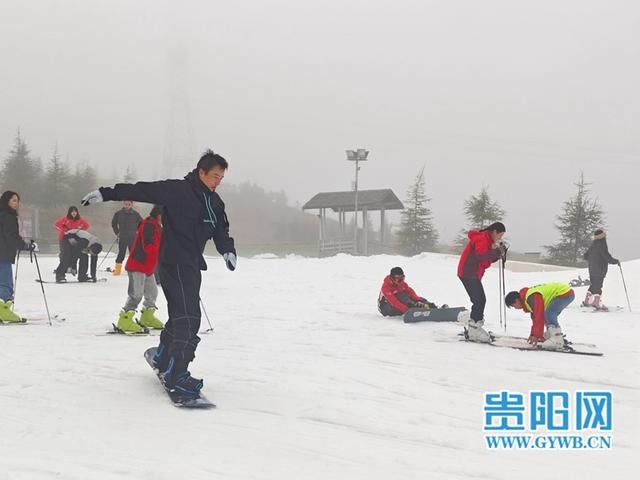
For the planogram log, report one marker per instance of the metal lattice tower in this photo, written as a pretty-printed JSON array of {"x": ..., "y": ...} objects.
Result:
[{"x": 179, "y": 153}]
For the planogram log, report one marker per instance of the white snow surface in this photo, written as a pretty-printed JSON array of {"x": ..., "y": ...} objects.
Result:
[{"x": 310, "y": 381}]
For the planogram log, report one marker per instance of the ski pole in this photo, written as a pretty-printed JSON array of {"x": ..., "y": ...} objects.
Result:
[
  {"x": 210, "y": 329},
  {"x": 107, "y": 254},
  {"x": 15, "y": 281},
  {"x": 500, "y": 293},
  {"x": 504, "y": 291},
  {"x": 625, "y": 287},
  {"x": 46, "y": 305}
]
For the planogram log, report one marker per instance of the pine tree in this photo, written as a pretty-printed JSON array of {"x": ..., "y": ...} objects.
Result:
[
  {"x": 82, "y": 181},
  {"x": 57, "y": 190},
  {"x": 480, "y": 212},
  {"x": 417, "y": 233},
  {"x": 580, "y": 217},
  {"x": 21, "y": 173}
]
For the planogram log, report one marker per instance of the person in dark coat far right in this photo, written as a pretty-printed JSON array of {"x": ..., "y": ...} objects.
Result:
[{"x": 599, "y": 259}]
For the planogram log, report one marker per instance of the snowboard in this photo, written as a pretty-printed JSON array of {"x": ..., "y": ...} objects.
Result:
[
  {"x": 99, "y": 280},
  {"x": 179, "y": 401},
  {"x": 450, "y": 314}
]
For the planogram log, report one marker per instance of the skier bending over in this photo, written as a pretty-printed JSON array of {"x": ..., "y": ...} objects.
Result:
[
  {"x": 396, "y": 296},
  {"x": 599, "y": 259},
  {"x": 10, "y": 243},
  {"x": 484, "y": 248},
  {"x": 544, "y": 302},
  {"x": 193, "y": 213},
  {"x": 70, "y": 221},
  {"x": 141, "y": 266},
  {"x": 77, "y": 246}
]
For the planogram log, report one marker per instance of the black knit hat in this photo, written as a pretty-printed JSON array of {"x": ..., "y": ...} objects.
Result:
[
  {"x": 397, "y": 271},
  {"x": 599, "y": 234}
]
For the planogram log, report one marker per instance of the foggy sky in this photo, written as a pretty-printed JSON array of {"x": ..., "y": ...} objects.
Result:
[{"x": 515, "y": 95}]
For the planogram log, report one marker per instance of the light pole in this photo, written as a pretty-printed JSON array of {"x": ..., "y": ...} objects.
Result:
[{"x": 359, "y": 155}]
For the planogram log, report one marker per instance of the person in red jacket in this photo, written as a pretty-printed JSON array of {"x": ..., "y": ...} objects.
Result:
[
  {"x": 141, "y": 266},
  {"x": 71, "y": 221},
  {"x": 484, "y": 248},
  {"x": 396, "y": 296}
]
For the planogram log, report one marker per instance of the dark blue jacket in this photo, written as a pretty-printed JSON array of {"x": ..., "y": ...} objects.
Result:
[
  {"x": 599, "y": 258},
  {"x": 10, "y": 239},
  {"x": 192, "y": 215}
]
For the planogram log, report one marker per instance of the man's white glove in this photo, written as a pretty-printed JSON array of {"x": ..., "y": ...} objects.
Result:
[
  {"x": 93, "y": 197},
  {"x": 231, "y": 260}
]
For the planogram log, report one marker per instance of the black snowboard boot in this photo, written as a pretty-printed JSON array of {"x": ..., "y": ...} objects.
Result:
[{"x": 177, "y": 378}]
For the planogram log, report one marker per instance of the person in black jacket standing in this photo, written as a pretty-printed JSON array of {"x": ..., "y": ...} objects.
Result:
[
  {"x": 125, "y": 225},
  {"x": 599, "y": 258},
  {"x": 193, "y": 214},
  {"x": 10, "y": 243}
]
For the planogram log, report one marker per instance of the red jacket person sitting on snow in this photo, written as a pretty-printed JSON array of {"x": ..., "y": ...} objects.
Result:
[{"x": 396, "y": 297}]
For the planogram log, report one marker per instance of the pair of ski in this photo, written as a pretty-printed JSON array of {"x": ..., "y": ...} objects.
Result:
[
  {"x": 522, "y": 343},
  {"x": 176, "y": 398},
  {"x": 99, "y": 280},
  {"x": 118, "y": 331}
]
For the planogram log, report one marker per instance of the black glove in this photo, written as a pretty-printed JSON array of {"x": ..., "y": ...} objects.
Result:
[{"x": 616, "y": 261}]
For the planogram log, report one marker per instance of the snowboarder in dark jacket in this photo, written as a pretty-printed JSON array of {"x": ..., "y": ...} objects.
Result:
[
  {"x": 599, "y": 259},
  {"x": 125, "y": 225},
  {"x": 193, "y": 214},
  {"x": 10, "y": 243}
]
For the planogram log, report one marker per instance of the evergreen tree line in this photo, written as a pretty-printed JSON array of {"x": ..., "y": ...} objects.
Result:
[
  {"x": 580, "y": 216},
  {"x": 259, "y": 217}
]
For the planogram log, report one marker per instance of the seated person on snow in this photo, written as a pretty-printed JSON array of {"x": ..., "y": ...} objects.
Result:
[
  {"x": 544, "y": 302},
  {"x": 78, "y": 245},
  {"x": 396, "y": 297}
]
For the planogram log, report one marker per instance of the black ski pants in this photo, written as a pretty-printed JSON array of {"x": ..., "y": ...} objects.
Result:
[
  {"x": 596, "y": 285},
  {"x": 124, "y": 243},
  {"x": 83, "y": 266},
  {"x": 71, "y": 251},
  {"x": 389, "y": 310},
  {"x": 181, "y": 287},
  {"x": 474, "y": 288}
]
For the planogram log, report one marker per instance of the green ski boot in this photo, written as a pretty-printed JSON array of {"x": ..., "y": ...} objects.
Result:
[
  {"x": 127, "y": 324},
  {"x": 6, "y": 314},
  {"x": 149, "y": 320}
]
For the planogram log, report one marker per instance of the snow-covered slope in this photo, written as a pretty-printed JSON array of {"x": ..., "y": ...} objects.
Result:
[{"x": 311, "y": 383}]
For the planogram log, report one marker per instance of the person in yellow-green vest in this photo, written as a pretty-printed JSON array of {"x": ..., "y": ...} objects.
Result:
[{"x": 544, "y": 302}]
